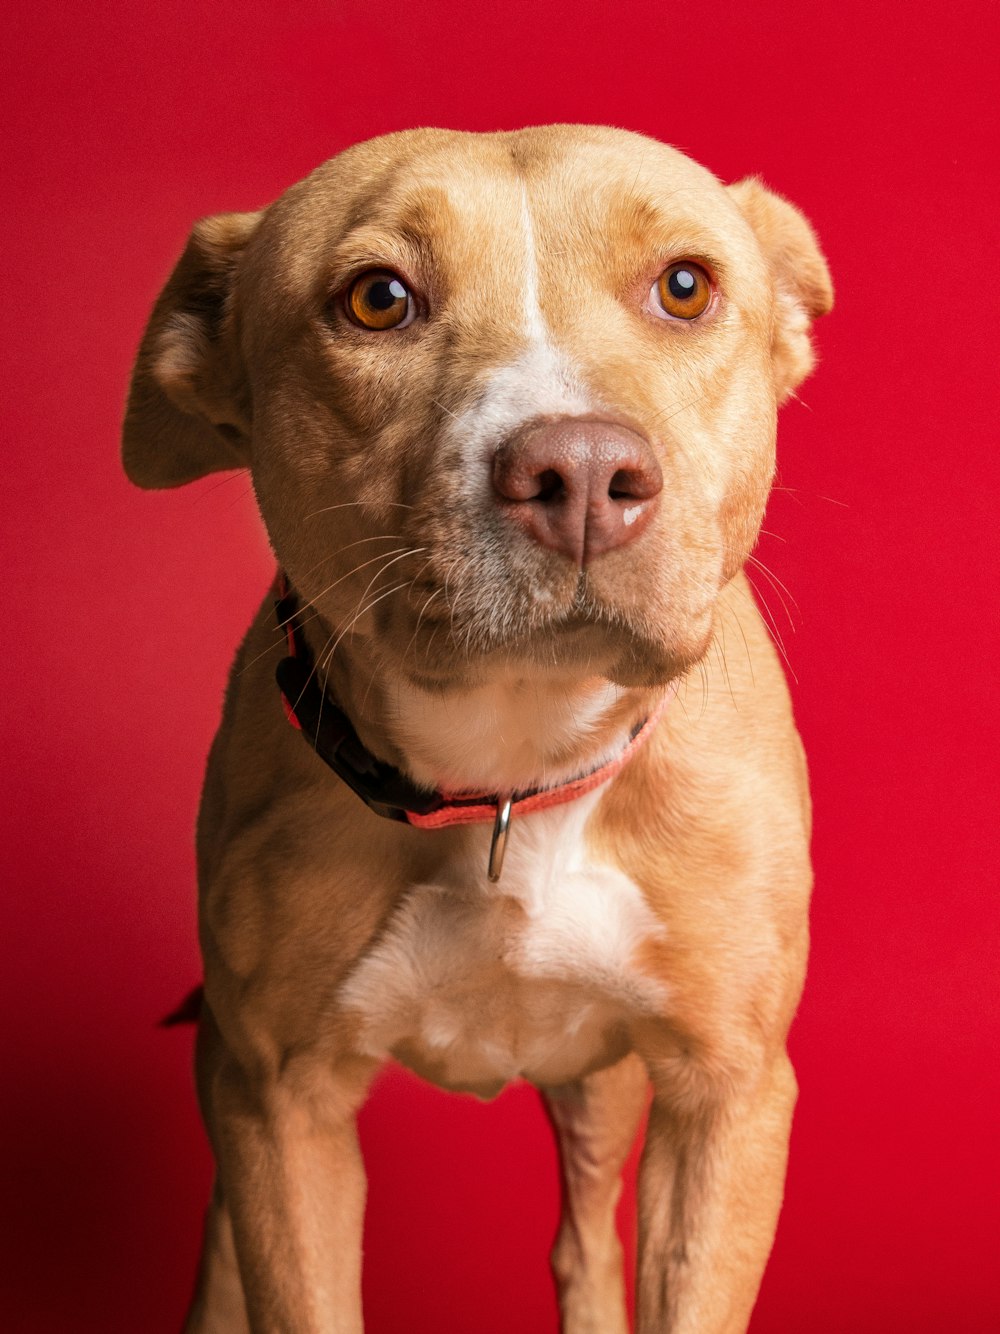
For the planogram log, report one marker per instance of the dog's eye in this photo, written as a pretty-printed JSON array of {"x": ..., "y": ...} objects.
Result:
[
  {"x": 682, "y": 292},
  {"x": 380, "y": 299}
]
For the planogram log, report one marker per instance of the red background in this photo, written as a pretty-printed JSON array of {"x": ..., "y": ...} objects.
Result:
[{"x": 125, "y": 123}]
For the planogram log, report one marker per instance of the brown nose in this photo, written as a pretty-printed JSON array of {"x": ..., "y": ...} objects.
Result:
[{"x": 578, "y": 485}]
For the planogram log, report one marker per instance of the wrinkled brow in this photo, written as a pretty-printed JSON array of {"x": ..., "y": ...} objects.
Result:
[
  {"x": 673, "y": 220},
  {"x": 399, "y": 228},
  {"x": 377, "y": 247}
]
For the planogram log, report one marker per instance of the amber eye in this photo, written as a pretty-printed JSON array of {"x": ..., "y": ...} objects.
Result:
[
  {"x": 379, "y": 299},
  {"x": 683, "y": 291}
]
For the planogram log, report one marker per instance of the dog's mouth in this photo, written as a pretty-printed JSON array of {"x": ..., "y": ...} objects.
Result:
[{"x": 443, "y": 645}]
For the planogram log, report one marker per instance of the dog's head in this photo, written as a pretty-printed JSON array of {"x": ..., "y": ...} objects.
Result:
[{"x": 505, "y": 396}]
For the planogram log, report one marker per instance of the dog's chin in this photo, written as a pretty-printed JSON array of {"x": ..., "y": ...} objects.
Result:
[
  {"x": 649, "y": 667},
  {"x": 575, "y": 648},
  {"x": 643, "y": 663}
]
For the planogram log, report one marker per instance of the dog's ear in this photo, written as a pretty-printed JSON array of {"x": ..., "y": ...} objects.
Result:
[
  {"x": 801, "y": 278},
  {"x": 188, "y": 406}
]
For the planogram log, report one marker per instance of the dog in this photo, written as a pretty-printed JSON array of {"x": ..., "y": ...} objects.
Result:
[{"x": 508, "y": 402}]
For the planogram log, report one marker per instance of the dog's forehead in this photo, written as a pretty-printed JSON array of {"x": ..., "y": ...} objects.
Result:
[
  {"x": 561, "y": 162},
  {"x": 454, "y": 192}
]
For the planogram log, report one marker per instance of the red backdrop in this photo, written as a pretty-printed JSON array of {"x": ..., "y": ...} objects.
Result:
[{"x": 128, "y": 121}]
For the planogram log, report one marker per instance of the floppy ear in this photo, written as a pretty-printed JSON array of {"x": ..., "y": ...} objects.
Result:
[
  {"x": 188, "y": 406},
  {"x": 801, "y": 278}
]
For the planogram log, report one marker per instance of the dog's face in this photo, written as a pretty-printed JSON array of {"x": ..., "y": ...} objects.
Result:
[{"x": 502, "y": 396}]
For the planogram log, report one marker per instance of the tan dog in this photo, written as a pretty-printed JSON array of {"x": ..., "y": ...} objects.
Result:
[{"x": 509, "y": 403}]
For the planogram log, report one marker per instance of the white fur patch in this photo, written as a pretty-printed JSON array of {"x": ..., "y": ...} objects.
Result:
[
  {"x": 541, "y": 381},
  {"x": 504, "y": 736},
  {"x": 473, "y": 985},
  {"x": 534, "y": 322}
]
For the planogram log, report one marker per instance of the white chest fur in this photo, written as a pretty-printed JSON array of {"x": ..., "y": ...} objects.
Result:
[{"x": 473, "y": 985}]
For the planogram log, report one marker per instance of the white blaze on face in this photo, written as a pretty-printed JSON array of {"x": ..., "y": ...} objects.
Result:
[
  {"x": 540, "y": 382},
  {"x": 534, "y": 322}
]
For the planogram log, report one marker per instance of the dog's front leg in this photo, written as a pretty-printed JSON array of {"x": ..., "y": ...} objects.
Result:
[
  {"x": 217, "y": 1306},
  {"x": 595, "y": 1119},
  {"x": 710, "y": 1190},
  {"x": 291, "y": 1172}
]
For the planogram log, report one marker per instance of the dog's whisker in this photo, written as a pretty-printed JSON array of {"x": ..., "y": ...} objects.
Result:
[
  {"x": 208, "y": 491},
  {"x": 303, "y": 619},
  {"x": 280, "y": 634},
  {"x": 450, "y": 601},
  {"x": 363, "y": 612},
  {"x": 371, "y": 681},
  {"x": 311, "y": 604},
  {"x": 427, "y": 649},
  {"x": 669, "y": 413},
  {"x": 402, "y": 555},
  {"x": 779, "y": 589},
  {"x": 360, "y": 610},
  {"x": 378, "y": 574},
  {"x": 403, "y": 659},
  {"x": 241, "y": 498},
  {"x": 280, "y": 637},
  {"x": 332, "y": 555},
  {"x": 703, "y": 673},
  {"x": 399, "y": 553},
  {"x": 413, "y": 638},
  {"x": 358, "y": 504},
  {"x": 729, "y": 610},
  {"x": 771, "y": 626},
  {"x": 438, "y": 404},
  {"x": 683, "y": 689},
  {"x": 305, "y": 684},
  {"x": 771, "y": 623},
  {"x": 796, "y": 491},
  {"x": 719, "y": 641}
]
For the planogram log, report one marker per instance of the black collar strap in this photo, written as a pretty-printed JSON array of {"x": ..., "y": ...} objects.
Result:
[{"x": 330, "y": 732}]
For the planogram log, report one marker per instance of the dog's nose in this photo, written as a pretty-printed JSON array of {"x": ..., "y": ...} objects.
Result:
[{"x": 578, "y": 485}]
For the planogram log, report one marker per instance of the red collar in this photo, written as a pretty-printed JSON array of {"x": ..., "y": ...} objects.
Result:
[{"x": 386, "y": 790}]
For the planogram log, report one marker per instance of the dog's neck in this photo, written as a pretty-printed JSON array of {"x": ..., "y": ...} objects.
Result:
[{"x": 515, "y": 731}]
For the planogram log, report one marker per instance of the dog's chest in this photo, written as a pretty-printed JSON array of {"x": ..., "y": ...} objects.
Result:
[{"x": 473, "y": 985}]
